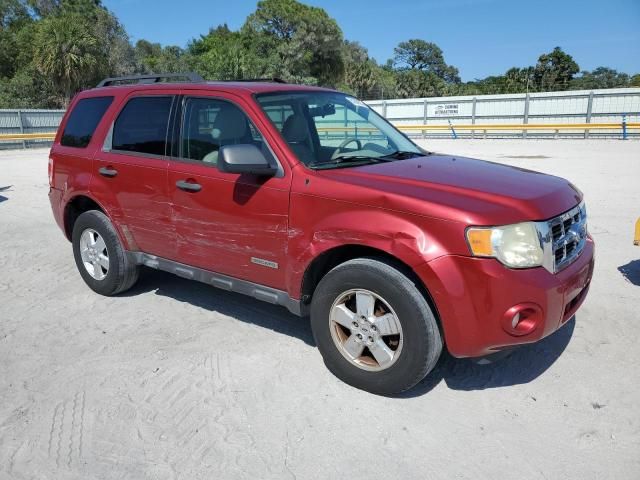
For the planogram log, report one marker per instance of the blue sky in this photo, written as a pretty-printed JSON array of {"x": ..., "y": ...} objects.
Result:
[{"x": 480, "y": 37}]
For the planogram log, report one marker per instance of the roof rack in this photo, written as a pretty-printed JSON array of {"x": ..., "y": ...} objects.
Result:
[
  {"x": 151, "y": 78},
  {"x": 268, "y": 80}
]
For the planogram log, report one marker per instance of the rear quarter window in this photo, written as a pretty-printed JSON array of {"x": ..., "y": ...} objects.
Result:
[{"x": 83, "y": 121}]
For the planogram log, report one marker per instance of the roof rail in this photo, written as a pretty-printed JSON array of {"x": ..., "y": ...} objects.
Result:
[
  {"x": 151, "y": 78},
  {"x": 268, "y": 80}
]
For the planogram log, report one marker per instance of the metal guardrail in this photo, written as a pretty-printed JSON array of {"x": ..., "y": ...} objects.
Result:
[
  {"x": 623, "y": 128},
  {"x": 27, "y": 136}
]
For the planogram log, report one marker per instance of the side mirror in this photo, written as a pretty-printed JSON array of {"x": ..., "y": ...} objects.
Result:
[{"x": 244, "y": 158}]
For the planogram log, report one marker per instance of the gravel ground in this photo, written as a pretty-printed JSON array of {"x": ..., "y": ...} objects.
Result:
[{"x": 176, "y": 379}]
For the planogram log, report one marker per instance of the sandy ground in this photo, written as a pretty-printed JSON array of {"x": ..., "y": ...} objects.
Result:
[{"x": 176, "y": 379}]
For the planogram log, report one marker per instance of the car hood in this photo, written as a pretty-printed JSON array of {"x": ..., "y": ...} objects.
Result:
[{"x": 457, "y": 188}]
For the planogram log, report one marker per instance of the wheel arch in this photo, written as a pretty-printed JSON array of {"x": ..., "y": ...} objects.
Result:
[
  {"x": 335, "y": 256},
  {"x": 76, "y": 206}
]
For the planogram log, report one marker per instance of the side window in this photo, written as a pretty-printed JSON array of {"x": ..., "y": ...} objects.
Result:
[
  {"x": 83, "y": 120},
  {"x": 209, "y": 124},
  {"x": 142, "y": 125}
]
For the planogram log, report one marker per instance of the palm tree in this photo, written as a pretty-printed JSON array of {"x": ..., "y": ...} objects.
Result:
[{"x": 67, "y": 52}]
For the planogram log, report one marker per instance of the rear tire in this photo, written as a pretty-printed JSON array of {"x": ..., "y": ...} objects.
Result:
[
  {"x": 101, "y": 260},
  {"x": 402, "y": 321}
]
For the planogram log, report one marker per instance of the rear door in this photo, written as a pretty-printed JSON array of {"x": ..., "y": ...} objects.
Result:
[
  {"x": 130, "y": 175},
  {"x": 232, "y": 224}
]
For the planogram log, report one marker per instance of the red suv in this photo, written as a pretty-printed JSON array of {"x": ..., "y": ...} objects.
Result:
[{"x": 305, "y": 197}]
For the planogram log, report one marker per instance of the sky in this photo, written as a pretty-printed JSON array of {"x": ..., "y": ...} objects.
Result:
[{"x": 479, "y": 37}]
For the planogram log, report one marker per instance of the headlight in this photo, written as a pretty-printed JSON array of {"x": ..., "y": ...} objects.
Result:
[{"x": 516, "y": 246}]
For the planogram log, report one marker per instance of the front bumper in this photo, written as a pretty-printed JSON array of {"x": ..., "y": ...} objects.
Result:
[{"x": 474, "y": 297}]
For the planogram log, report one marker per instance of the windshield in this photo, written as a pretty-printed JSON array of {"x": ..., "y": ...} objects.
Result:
[{"x": 330, "y": 129}]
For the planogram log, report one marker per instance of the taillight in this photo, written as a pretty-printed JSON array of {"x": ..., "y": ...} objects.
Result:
[{"x": 50, "y": 171}]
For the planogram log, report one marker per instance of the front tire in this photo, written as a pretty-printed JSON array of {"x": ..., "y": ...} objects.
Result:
[
  {"x": 101, "y": 260},
  {"x": 373, "y": 327}
]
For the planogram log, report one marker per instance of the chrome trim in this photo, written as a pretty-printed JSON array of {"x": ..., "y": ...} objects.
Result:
[
  {"x": 225, "y": 282},
  {"x": 570, "y": 238}
]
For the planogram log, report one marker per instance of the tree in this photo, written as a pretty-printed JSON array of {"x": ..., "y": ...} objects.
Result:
[
  {"x": 416, "y": 54},
  {"x": 67, "y": 52},
  {"x": 360, "y": 71},
  {"x": 353, "y": 52},
  {"x": 518, "y": 80},
  {"x": 154, "y": 58},
  {"x": 361, "y": 77},
  {"x": 601, "y": 77},
  {"x": 554, "y": 71},
  {"x": 12, "y": 13},
  {"x": 27, "y": 89},
  {"x": 224, "y": 55},
  {"x": 14, "y": 16},
  {"x": 114, "y": 44},
  {"x": 296, "y": 42},
  {"x": 635, "y": 80},
  {"x": 418, "y": 83}
]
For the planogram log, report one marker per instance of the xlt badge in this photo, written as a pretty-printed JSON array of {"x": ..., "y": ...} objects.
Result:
[{"x": 264, "y": 263}]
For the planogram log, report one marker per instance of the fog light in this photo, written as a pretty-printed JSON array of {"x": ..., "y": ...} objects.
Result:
[{"x": 522, "y": 319}]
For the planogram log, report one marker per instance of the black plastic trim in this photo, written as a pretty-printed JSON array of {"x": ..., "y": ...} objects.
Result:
[
  {"x": 225, "y": 282},
  {"x": 152, "y": 78}
]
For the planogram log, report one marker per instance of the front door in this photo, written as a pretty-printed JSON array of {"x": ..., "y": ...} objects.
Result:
[{"x": 227, "y": 223}]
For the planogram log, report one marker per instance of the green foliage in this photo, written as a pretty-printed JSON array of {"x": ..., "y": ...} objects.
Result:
[
  {"x": 67, "y": 51},
  {"x": 601, "y": 77},
  {"x": 554, "y": 71},
  {"x": 296, "y": 42},
  {"x": 418, "y": 83},
  {"x": 13, "y": 13},
  {"x": 417, "y": 54},
  {"x": 224, "y": 55},
  {"x": 14, "y": 16},
  {"x": 27, "y": 89},
  {"x": 360, "y": 77},
  {"x": 153, "y": 58}
]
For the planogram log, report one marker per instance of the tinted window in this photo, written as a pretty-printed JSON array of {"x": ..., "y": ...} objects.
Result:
[
  {"x": 142, "y": 126},
  {"x": 83, "y": 121},
  {"x": 209, "y": 124}
]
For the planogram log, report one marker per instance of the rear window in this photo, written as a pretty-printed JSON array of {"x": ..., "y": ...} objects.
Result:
[
  {"x": 83, "y": 120},
  {"x": 142, "y": 125}
]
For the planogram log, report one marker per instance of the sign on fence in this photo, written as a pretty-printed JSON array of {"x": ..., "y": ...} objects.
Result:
[{"x": 447, "y": 109}]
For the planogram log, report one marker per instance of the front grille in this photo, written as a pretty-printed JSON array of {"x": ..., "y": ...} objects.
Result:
[{"x": 568, "y": 234}]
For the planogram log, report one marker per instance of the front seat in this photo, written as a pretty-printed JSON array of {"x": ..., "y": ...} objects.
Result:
[
  {"x": 229, "y": 128},
  {"x": 296, "y": 133}
]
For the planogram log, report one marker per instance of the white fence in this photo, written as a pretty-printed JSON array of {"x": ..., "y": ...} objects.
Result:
[{"x": 579, "y": 106}]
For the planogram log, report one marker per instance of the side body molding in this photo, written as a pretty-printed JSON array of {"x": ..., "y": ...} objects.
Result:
[{"x": 224, "y": 282}]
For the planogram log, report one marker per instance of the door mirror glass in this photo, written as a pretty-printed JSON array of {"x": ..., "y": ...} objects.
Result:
[{"x": 244, "y": 158}]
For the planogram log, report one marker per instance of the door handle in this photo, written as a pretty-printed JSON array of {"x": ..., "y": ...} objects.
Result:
[
  {"x": 188, "y": 186},
  {"x": 108, "y": 171}
]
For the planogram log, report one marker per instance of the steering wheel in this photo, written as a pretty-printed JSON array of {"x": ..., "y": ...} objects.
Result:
[{"x": 346, "y": 142}]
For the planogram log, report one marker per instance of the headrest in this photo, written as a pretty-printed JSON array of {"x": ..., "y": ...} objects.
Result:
[
  {"x": 230, "y": 124},
  {"x": 295, "y": 129}
]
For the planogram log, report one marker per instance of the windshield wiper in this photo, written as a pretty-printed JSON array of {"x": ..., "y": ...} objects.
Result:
[
  {"x": 346, "y": 160},
  {"x": 403, "y": 155}
]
